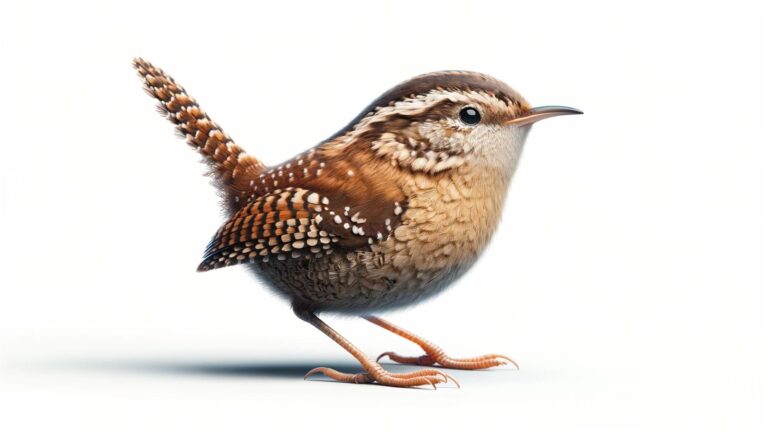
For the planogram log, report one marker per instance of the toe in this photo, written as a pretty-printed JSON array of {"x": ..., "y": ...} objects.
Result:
[{"x": 360, "y": 378}]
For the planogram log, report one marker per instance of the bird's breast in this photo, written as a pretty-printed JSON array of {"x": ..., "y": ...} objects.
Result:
[{"x": 449, "y": 220}]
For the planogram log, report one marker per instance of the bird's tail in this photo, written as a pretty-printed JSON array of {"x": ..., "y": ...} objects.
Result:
[{"x": 230, "y": 165}]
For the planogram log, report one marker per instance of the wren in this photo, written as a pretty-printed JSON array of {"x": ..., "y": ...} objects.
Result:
[{"x": 389, "y": 211}]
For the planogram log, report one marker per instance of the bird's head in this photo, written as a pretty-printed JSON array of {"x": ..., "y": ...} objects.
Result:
[{"x": 445, "y": 120}]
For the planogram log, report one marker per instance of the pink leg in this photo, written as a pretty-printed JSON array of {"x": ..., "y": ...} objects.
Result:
[{"x": 373, "y": 370}]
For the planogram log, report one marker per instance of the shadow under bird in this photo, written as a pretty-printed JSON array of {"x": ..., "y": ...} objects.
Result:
[{"x": 387, "y": 212}]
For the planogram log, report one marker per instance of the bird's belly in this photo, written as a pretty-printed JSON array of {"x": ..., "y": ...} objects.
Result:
[
  {"x": 342, "y": 285},
  {"x": 400, "y": 271}
]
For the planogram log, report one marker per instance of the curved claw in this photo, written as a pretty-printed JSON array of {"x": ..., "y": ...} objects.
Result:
[
  {"x": 512, "y": 362},
  {"x": 387, "y": 354},
  {"x": 447, "y": 377},
  {"x": 314, "y": 371},
  {"x": 429, "y": 381},
  {"x": 454, "y": 380}
]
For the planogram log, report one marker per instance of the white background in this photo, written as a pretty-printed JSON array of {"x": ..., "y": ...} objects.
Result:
[{"x": 625, "y": 276}]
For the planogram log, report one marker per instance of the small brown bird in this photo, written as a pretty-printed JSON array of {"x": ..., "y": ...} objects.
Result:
[{"x": 390, "y": 210}]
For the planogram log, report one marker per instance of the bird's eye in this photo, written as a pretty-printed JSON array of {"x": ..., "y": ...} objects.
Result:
[{"x": 469, "y": 115}]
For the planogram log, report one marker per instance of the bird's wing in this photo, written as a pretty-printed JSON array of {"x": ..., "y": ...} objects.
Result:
[
  {"x": 230, "y": 165},
  {"x": 296, "y": 223}
]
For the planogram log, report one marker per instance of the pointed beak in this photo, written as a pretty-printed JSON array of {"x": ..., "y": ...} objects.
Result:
[{"x": 540, "y": 113}]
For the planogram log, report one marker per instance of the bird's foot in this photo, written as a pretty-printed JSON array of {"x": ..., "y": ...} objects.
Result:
[
  {"x": 377, "y": 374},
  {"x": 435, "y": 355}
]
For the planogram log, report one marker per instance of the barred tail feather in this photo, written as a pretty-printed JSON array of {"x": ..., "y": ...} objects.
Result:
[{"x": 231, "y": 166}]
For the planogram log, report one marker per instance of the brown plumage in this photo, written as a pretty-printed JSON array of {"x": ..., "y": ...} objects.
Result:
[
  {"x": 231, "y": 166},
  {"x": 388, "y": 211}
]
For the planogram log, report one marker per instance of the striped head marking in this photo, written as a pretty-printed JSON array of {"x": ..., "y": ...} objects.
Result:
[{"x": 444, "y": 120}]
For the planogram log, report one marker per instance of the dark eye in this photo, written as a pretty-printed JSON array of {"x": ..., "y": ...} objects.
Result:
[{"x": 470, "y": 115}]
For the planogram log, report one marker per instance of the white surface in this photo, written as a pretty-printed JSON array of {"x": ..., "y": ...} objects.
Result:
[{"x": 625, "y": 277}]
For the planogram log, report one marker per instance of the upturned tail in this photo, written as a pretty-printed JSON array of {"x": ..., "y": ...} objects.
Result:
[{"x": 231, "y": 167}]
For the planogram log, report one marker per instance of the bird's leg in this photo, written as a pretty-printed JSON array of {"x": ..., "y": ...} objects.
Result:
[
  {"x": 373, "y": 370},
  {"x": 434, "y": 354}
]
